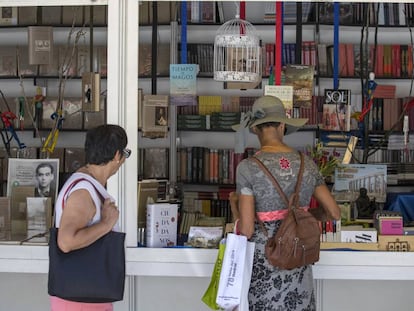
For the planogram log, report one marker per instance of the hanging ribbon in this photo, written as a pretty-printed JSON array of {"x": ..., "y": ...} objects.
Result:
[
  {"x": 336, "y": 47},
  {"x": 184, "y": 32},
  {"x": 279, "y": 43},
  {"x": 242, "y": 10}
]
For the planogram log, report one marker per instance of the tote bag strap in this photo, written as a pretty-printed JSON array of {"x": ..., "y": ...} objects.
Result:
[
  {"x": 294, "y": 198},
  {"x": 73, "y": 184}
]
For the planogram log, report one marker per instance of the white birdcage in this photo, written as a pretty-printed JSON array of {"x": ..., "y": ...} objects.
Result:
[{"x": 237, "y": 52}]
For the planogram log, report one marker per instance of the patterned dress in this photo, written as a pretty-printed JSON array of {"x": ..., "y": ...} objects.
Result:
[{"x": 273, "y": 289}]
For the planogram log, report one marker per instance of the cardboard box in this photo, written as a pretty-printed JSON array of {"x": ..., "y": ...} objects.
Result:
[
  {"x": 396, "y": 243},
  {"x": 359, "y": 235}
]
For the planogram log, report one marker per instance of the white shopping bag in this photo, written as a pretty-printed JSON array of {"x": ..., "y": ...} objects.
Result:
[{"x": 237, "y": 263}]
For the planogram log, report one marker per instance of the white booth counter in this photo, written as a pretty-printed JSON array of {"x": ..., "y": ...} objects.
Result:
[
  {"x": 352, "y": 280},
  {"x": 188, "y": 262}
]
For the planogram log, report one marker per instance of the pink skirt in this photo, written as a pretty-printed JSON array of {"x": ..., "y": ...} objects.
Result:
[{"x": 58, "y": 304}]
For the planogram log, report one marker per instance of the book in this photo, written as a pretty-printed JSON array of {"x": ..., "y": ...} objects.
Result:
[
  {"x": 5, "y": 224},
  {"x": 145, "y": 59},
  {"x": 92, "y": 119},
  {"x": 147, "y": 194},
  {"x": 102, "y": 60},
  {"x": 337, "y": 110},
  {"x": 83, "y": 60},
  {"x": 67, "y": 64},
  {"x": 99, "y": 17},
  {"x": 143, "y": 12},
  {"x": 155, "y": 163},
  {"x": 24, "y": 68},
  {"x": 284, "y": 93},
  {"x": 326, "y": 13},
  {"x": 40, "y": 42},
  {"x": 72, "y": 15},
  {"x": 51, "y": 15},
  {"x": 39, "y": 218},
  {"x": 91, "y": 88},
  {"x": 18, "y": 195},
  {"x": 349, "y": 178},
  {"x": 301, "y": 78},
  {"x": 183, "y": 84},
  {"x": 8, "y": 61},
  {"x": 52, "y": 69},
  {"x": 155, "y": 115},
  {"x": 161, "y": 230},
  {"x": 8, "y": 15},
  {"x": 27, "y": 15}
]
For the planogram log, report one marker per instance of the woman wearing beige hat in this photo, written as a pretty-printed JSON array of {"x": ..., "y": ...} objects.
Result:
[{"x": 272, "y": 288}]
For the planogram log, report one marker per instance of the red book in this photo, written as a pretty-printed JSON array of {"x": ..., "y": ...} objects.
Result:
[
  {"x": 342, "y": 60},
  {"x": 379, "y": 63},
  {"x": 396, "y": 60},
  {"x": 350, "y": 59}
]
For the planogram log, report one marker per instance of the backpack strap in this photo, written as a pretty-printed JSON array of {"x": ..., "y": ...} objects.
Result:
[
  {"x": 292, "y": 202},
  {"x": 294, "y": 198}
]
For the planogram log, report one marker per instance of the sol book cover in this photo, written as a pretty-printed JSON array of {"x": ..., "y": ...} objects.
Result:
[{"x": 337, "y": 110}]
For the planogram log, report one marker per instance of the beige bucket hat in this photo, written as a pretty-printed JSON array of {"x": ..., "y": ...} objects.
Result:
[{"x": 269, "y": 109}]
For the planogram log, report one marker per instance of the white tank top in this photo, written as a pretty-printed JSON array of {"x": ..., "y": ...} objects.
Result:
[{"x": 92, "y": 189}]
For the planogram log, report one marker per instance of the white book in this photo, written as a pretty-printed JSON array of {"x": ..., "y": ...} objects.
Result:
[{"x": 161, "y": 225}]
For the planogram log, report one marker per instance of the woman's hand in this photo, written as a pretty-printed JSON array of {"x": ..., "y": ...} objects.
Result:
[{"x": 109, "y": 214}]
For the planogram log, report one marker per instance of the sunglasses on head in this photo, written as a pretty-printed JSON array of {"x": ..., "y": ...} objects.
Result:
[{"x": 127, "y": 153}]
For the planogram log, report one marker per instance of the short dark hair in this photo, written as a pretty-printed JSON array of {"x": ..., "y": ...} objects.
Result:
[
  {"x": 45, "y": 164},
  {"x": 268, "y": 124},
  {"x": 103, "y": 142}
]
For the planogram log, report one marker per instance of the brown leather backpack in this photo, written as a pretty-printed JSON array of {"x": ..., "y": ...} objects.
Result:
[{"x": 297, "y": 241}]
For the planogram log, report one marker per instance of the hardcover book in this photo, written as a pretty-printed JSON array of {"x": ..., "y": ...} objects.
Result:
[
  {"x": 284, "y": 93},
  {"x": 337, "y": 110},
  {"x": 18, "y": 195},
  {"x": 40, "y": 45},
  {"x": 161, "y": 225},
  {"x": 155, "y": 163},
  {"x": 183, "y": 84},
  {"x": 83, "y": 60},
  {"x": 145, "y": 59},
  {"x": 91, "y": 87},
  {"x": 147, "y": 194},
  {"x": 349, "y": 178},
  {"x": 39, "y": 218},
  {"x": 301, "y": 78},
  {"x": 155, "y": 115}
]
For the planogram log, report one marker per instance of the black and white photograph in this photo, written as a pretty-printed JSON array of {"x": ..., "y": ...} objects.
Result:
[{"x": 39, "y": 173}]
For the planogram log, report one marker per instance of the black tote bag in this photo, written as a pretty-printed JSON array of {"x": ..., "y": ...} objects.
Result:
[{"x": 95, "y": 273}]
